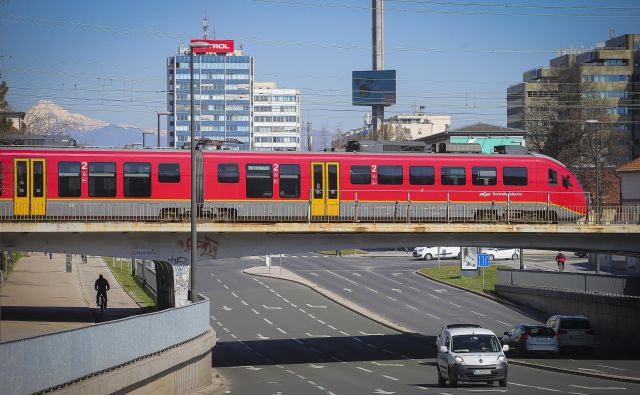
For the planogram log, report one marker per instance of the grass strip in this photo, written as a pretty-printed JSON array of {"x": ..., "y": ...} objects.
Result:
[
  {"x": 451, "y": 274},
  {"x": 125, "y": 277}
]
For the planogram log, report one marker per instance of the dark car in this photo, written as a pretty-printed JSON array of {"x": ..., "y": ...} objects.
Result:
[{"x": 580, "y": 254}]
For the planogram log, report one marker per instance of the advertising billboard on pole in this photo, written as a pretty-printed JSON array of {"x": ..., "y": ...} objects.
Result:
[{"x": 374, "y": 87}]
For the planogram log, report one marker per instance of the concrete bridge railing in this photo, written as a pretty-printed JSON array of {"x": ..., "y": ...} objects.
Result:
[{"x": 51, "y": 361}]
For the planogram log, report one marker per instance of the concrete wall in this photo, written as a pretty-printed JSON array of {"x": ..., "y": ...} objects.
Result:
[{"x": 618, "y": 317}]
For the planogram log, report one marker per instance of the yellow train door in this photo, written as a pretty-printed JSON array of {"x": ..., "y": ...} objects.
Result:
[
  {"x": 325, "y": 193},
  {"x": 29, "y": 186}
]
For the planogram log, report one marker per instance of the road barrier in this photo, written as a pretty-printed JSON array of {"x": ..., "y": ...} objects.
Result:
[
  {"x": 46, "y": 362},
  {"x": 573, "y": 282}
]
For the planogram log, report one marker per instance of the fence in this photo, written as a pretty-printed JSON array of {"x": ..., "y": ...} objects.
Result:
[
  {"x": 40, "y": 363},
  {"x": 146, "y": 273},
  {"x": 574, "y": 282}
]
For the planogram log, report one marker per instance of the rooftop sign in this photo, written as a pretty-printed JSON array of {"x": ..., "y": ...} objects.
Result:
[{"x": 213, "y": 46}]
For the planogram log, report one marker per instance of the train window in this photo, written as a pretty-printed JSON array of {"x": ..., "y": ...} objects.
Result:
[
  {"x": 566, "y": 181},
  {"x": 228, "y": 173},
  {"x": 289, "y": 181},
  {"x": 259, "y": 181},
  {"x": 332, "y": 181},
  {"x": 318, "y": 181},
  {"x": 483, "y": 176},
  {"x": 421, "y": 175},
  {"x": 390, "y": 175},
  {"x": 360, "y": 174},
  {"x": 102, "y": 179},
  {"x": 169, "y": 172},
  {"x": 137, "y": 179},
  {"x": 514, "y": 176},
  {"x": 69, "y": 179},
  {"x": 453, "y": 176},
  {"x": 553, "y": 177},
  {"x": 21, "y": 178}
]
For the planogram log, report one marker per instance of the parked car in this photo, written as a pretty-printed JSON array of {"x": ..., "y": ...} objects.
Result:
[
  {"x": 572, "y": 331},
  {"x": 501, "y": 253},
  {"x": 451, "y": 326},
  {"x": 428, "y": 253},
  {"x": 471, "y": 354},
  {"x": 532, "y": 338},
  {"x": 580, "y": 254}
]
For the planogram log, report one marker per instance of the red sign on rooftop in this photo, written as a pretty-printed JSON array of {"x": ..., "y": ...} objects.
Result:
[{"x": 213, "y": 46}]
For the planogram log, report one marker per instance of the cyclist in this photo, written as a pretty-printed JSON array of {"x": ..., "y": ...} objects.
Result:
[
  {"x": 102, "y": 286},
  {"x": 560, "y": 258}
]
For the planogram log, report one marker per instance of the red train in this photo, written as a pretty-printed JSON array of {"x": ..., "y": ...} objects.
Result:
[{"x": 80, "y": 183}]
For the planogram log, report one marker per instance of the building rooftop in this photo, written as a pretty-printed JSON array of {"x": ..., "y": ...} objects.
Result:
[
  {"x": 480, "y": 127},
  {"x": 632, "y": 166}
]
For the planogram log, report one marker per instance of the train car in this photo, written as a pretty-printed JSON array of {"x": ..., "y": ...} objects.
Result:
[{"x": 290, "y": 186}]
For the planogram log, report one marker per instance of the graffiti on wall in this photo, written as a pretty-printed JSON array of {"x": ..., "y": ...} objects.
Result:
[{"x": 206, "y": 246}]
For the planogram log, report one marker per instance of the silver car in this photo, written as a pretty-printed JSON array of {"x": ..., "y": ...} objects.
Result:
[
  {"x": 531, "y": 338},
  {"x": 573, "y": 331}
]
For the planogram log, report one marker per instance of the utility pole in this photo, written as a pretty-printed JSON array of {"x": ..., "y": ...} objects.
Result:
[
  {"x": 309, "y": 142},
  {"x": 377, "y": 43}
]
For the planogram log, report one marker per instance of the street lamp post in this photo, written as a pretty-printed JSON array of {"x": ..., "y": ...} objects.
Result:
[
  {"x": 161, "y": 113},
  {"x": 194, "y": 207},
  {"x": 597, "y": 140}
]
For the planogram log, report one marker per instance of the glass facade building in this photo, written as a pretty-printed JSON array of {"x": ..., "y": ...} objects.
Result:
[{"x": 223, "y": 85}]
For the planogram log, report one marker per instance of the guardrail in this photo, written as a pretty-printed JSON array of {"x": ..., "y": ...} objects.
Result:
[
  {"x": 145, "y": 272},
  {"x": 574, "y": 282},
  {"x": 45, "y": 362}
]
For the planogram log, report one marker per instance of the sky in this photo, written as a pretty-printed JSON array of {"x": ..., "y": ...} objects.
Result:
[{"x": 107, "y": 59}]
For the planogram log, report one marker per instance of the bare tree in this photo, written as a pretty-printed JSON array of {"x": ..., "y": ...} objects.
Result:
[
  {"x": 393, "y": 132},
  {"x": 41, "y": 120}
]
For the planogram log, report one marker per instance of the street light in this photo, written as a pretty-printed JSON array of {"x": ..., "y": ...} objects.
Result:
[
  {"x": 161, "y": 113},
  {"x": 194, "y": 209}
]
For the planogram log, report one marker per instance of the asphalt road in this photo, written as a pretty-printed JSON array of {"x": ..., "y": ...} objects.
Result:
[{"x": 278, "y": 337}]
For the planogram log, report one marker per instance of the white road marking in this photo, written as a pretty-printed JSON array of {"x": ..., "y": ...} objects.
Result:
[
  {"x": 389, "y": 377},
  {"x": 434, "y": 296},
  {"x": 267, "y": 321},
  {"x": 225, "y": 308},
  {"x": 457, "y": 305},
  {"x": 345, "y": 333},
  {"x": 372, "y": 290},
  {"x": 226, "y": 330},
  {"x": 396, "y": 290},
  {"x": 484, "y": 390},
  {"x": 386, "y": 364},
  {"x": 317, "y": 307},
  {"x": 312, "y": 316},
  {"x": 315, "y": 350},
  {"x": 314, "y": 366},
  {"x": 397, "y": 274},
  {"x": 293, "y": 305},
  {"x": 250, "y": 367},
  {"x": 225, "y": 286},
  {"x": 314, "y": 274},
  {"x": 212, "y": 275},
  {"x": 504, "y": 323},
  {"x": 232, "y": 335},
  {"x": 244, "y": 303},
  {"x": 366, "y": 370},
  {"x": 342, "y": 277},
  {"x": 434, "y": 316},
  {"x": 347, "y": 289},
  {"x": 475, "y": 312},
  {"x": 282, "y": 331},
  {"x": 598, "y": 388},
  {"x": 389, "y": 297},
  {"x": 234, "y": 294},
  {"x": 411, "y": 307},
  {"x": 272, "y": 307},
  {"x": 286, "y": 300},
  {"x": 416, "y": 289},
  {"x": 370, "y": 334},
  {"x": 440, "y": 290},
  {"x": 310, "y": 335},
  {"x": 590, "y": 370},
  {"x": 610, "y": 367},
  {"x": 383, "y": 392},
  {"x": 356, "y": 274},
  {"x": 332, "y": 327},
  {"x": 262, "y": 337},
  {"x": 255, "y": 311},
  {"x": 533, "y": 386},
  {"x": 356, "y": 339},
  {"x": 322, "y": 322},
  {"x": 303, "y": 311}
]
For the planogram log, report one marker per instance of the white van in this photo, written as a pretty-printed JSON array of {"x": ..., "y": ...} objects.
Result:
[
  {"x": 428, "y": 253},
  {"x": 471, "y": 354}
]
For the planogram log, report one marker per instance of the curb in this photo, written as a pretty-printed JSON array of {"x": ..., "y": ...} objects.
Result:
[
  {"x": 604, "y": 376},
  {"x": 335, "y": 298}
]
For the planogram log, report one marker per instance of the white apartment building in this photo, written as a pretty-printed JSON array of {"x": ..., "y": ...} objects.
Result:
[
  {"x": 276, "y": 118},
  {"x": 419, "y": 124}
]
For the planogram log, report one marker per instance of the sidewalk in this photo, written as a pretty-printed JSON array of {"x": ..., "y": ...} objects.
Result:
[{"x": 40, "y": 297}]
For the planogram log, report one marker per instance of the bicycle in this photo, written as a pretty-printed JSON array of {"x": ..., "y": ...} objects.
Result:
[{"x": 102, "y": 302}]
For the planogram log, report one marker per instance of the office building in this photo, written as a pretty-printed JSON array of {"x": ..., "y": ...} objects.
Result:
[
  {"x": 276, "y": 118},
  {"x": 223, "y": 83},
  {"x": 605, "y": 74}
]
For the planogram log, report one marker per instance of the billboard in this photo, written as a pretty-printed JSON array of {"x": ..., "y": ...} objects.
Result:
[
  {"x": 468, "y": 258},
  {"x": 214, "y": 46},
  {"x": 373, "y": 87}
]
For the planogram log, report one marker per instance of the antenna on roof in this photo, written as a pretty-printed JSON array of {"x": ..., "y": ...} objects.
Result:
[
  {"x": 205, "y": 27},
  {"x": 612, "y": 32}
]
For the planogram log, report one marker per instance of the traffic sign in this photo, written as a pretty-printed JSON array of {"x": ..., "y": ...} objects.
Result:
[{"x": 483, "y": 260}]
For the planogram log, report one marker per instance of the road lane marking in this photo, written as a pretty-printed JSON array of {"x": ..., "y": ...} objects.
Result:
[
  {"x": 434, "y": 316},
  {"x": 322, "y": 322},
  {"x": 317, "y": 307},
  {"x": 390, "y": 378},
  {"x": 262, "y": 337},
  {"x": 272, "y": 307},
  {"x": 232, "y": 335},
  {"x": 411, "y": 307},
  {"x": 347, "y": 289},
  {"x": 282, "y": 331},
  {"x": 396, "y": 290},
  {"x": 314, "y": 274},
  {"x": 345, "y": 333},
  {"x": 610, "y": 367},
  {"x": 598, "y": 388},
  {"x": 312, "y": 316},
  {"x": 533, "y": 386},
  {"x": 315, "y": 350},
  {"x": 370, "y": 334},
  {"x": 342, "y": 277},
  {"x": 366, "y": 370},
  {"x": 234, "y": 294},
  {"x": 591, "y": 370},
  {"x": 434, "y": 296},
  {"x": 314, "y": 366},
  {"x": 371, "y": 345},
  {"x": 244, "y": 303},
  {"x": 416, "y": 289},
  {"x": 267, "y": 321},
  {"x": 218, "y": 280},
  {"x": 372, "y": 290},
  {"x": 225, "y": 308},
  {"x": 380, "y": 391},
  {"x": 356, "y": 274},
  {"x": 225, "y": 286},
  {"x": 255, "y": 311},
  {"x": 475, "y": 312},
  {"x": 484, "y": 390},
  {"x": 457, "y": 305},
  {"x": 386, "y": 364},
  {"x": 389, "y": 297},
  {"x": 356, "y": 339},
  {"x": 311, "y": 335},
  {"x": 298, "y": 341},
  {"x": 504, "y": 323},
  {"x": 332, "y": 327}
]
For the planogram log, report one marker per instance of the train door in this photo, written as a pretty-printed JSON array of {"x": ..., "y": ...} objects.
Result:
[
  {"x": 29, "y": 183},
  {"x": 325, "y": 194}
]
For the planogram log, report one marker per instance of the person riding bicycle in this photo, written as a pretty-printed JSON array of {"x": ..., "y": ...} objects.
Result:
[
  {"x": 560, "y": 258},
  {"x": 102, "y": 286}
]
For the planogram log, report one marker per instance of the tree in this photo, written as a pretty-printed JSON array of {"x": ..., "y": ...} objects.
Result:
[
  {"x": 5, "y": 124},
  {"x": 43, "y": 120},
  {"x": 393, "y": 131}
]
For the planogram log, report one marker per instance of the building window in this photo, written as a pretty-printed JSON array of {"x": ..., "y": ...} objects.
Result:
[
  {"x": 514, "y": 176},
  {"x": 169, "y": 172},
  {"x": 228, "y": 173},
  {"x": 553, "y": 177},
  {"x": 390, "y": 175},
  {"x": 453, "y": 176},
  {"x": 421, "y": 175},
  {"x": 484, "y": 176},
  {"x": 289, "y": 181},
  {"x": 360, "y": 174},
  {"x": 69, "y": 179},
  {"x": 137, "y": 179},
  {"x": 259, "y": 181},
  {"x": 102, "y": 179}
]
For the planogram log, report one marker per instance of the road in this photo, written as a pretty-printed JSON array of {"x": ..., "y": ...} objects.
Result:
[{"x": 280, "y": 337}]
